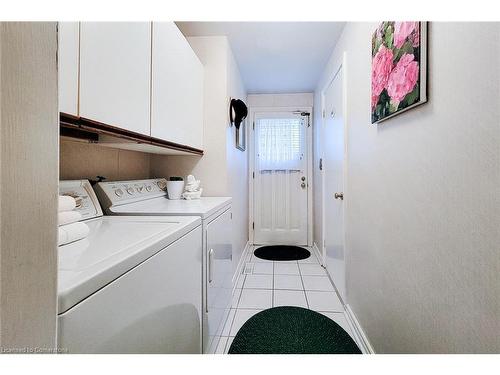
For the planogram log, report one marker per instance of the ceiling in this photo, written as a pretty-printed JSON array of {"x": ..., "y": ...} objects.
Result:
[{"x": 275, "y": 57}]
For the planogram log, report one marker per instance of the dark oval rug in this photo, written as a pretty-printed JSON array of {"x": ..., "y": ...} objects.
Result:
[
  {"x": 292, "y": 330},
  {"x": 282, "y": 252}
]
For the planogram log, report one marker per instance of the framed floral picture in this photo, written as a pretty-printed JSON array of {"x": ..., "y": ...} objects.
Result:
[{"x": 399, "y": 68}]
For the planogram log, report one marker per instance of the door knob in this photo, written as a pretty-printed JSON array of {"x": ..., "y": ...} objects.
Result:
[
  {"x": 303, "y": 185},
  {"x": 339, "y": 196}
]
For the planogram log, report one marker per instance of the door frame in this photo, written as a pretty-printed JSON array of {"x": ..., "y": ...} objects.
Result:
[
  {"x": 340, "y": 66},
  {"x": 251, "y": 165}
]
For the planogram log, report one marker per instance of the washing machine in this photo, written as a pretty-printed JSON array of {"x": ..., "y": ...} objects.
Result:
[
  {"x": 134, "y": 285},
  {"x": 149, "y": 198}
]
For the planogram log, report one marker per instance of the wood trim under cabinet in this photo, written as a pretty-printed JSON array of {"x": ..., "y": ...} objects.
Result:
[{"x": 86, "y": 126}]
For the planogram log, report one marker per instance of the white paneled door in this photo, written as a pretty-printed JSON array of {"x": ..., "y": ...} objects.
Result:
[
  {"x": 333, "y": 179},
  {"x": 280, "y": 179}
]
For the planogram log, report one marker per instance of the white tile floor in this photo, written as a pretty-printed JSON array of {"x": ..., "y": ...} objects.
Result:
[{"x": 303, "y": 283}]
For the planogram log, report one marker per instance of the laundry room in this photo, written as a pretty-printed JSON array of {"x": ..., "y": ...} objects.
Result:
[
  {"x": 114, "y": 165},
  {"x": 265, "y": 185}
]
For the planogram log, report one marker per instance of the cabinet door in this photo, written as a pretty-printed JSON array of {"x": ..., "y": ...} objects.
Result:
[
  {"x": 115, "y": 74},
  {"x": 177, "y": 88},
  {"x": 219, "y": 274},
  {"x": 67, "y": 56}
]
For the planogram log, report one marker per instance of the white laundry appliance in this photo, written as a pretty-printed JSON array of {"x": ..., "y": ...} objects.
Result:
[
  {"x": 148, "y": 198},
  {"x": 133, "y": 285}
]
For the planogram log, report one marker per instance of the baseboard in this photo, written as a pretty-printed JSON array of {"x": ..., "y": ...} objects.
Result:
[
  {"x": 241, "y": 263},
  {"x": 358, "y": 332},
  {"x": 317, "y": 253}
]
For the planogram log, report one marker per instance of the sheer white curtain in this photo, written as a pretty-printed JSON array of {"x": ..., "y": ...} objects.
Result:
[{"x": 279, "y": 143}]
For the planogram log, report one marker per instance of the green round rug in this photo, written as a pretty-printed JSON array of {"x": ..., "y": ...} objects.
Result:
[{"x": 292, "y": 330}]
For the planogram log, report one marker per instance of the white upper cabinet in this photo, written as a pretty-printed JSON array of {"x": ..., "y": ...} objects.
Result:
[
  {"x": 68, "y": 55},
  {"x": 177, "y": 88},
  {"x": 139, "y": 76},
  {"x": 115, "y": 74}
]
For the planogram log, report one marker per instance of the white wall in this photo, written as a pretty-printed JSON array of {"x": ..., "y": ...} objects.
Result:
[
  {"x": 29, "y": 125},
  {"x": 237, "y": 163},
  {"x": 281, "y": 100},
  {"x": 223, "y": 170},
  {"x": 422, "y": 215},
  {"x": 317, "y": 154}
]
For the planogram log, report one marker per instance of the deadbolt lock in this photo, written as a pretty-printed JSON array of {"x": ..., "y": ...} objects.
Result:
[{"x": 303, "y": 178}]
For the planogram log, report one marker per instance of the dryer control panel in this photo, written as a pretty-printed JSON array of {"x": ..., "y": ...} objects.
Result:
[
  {"x": 115, "y": 193},
  {"x": 86, "y": 201}
]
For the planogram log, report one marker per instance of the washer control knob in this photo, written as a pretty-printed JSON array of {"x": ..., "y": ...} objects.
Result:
[
  {"x": 119, "y": 192},
  {"x": 130, "y": 190},
  {"x": 140, "y": 189},
  {"x": 149, "y": 188}
]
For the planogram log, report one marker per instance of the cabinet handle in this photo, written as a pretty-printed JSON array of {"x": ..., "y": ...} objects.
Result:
[{"x": 210, "y": 265}]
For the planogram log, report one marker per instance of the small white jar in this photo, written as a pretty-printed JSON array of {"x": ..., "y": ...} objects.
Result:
[{"x": 174, "y": 189}]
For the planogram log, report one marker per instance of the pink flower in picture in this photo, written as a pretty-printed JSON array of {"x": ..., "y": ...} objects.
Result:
[
  {"x": 399, "y": 61},
  {"x": 381, "y": 68},
  {"x": 403, "y": 78},
  {"x": 380, "y": 31},
  {"x": 403, "y": 30},
  {"x": 415, "y": 37},
  {"x": 374, "y": 101}
]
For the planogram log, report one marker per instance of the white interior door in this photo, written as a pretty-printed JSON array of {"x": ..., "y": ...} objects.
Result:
[
  {"x": 333, "y": 179},
  {"x": 280, "y": 181}
]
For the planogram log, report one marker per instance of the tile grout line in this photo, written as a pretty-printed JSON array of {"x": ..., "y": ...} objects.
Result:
[
  {"x": 226, "y": 348},
  {"x": 303, "y": 286},
  {"x": 250, "y": 308},
  {"x": 232, "y": 322},
  {"x": 225, "y": 324},
  {"x": 272, "y": 293},
  {"x": 236, "y": 308},
  {"x": 290, "y": 290}
]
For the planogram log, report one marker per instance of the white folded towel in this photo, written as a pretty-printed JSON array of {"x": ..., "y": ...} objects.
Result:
[
  {"x": 68, "y": 217},
  {"x": 66, "y": 203},
  {"x": 72, "y": 232}
]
